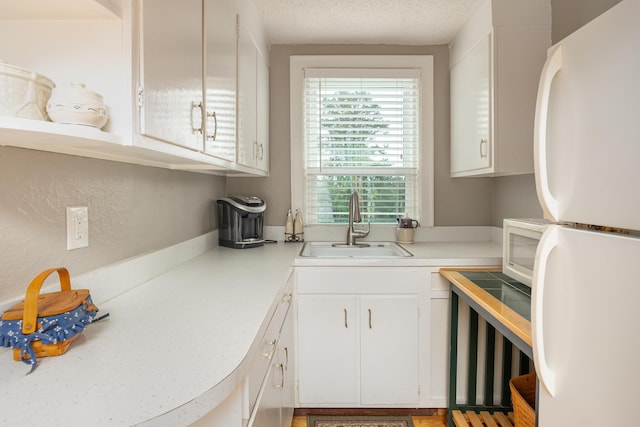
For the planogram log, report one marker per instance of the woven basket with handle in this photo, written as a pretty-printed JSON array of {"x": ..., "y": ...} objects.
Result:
[{"x": 46, "y": 324}]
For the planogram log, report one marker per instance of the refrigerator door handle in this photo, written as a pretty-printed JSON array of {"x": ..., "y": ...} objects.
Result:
[
  {"x": 547, "y": 243},
  {"x": 549, "y": 70}
]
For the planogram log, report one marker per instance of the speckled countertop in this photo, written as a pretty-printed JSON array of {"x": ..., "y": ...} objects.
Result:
[{"x": 174, "y": 346}]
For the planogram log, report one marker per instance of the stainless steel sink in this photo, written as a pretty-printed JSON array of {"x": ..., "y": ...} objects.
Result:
[{"x": 341, "y": 250}]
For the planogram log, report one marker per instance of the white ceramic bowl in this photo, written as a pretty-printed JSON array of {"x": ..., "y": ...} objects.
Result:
[{"x": 74, "y": 104}]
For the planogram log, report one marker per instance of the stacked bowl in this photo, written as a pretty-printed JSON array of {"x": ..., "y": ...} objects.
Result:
[{"x": 75, "y": 104}]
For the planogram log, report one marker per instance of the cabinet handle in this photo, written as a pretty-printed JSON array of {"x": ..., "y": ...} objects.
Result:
[
  {"x": 483, "y": 154},
  {"x": 369, "y": 318},
  {"x": 261, "y": 152},
  {"x": 215, "y": 125},
  {"x": 269, "y": 354},
  {"x": 286, "y": 357},
  {"x": 281, "y": 385},
  {"x": 346, "y": 324},
  {"x": 195, "y": 129}
]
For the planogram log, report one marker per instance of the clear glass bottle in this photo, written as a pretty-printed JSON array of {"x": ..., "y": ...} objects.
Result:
[{"x": 288, "y": 227}]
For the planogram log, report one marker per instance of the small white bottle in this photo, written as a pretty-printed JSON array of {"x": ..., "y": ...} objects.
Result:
[
  {"x": 288, "y": 227},
  {"x": 298, "y": 226}
]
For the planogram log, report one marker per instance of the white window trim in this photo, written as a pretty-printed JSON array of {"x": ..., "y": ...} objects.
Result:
[{"x": 297, "y": 65}]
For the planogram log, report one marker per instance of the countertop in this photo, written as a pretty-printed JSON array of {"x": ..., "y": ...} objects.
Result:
[
  {"x": 166, "y": 342},
  {"x": 175, "y": 346},
  {"x": 502, "y": 301}
]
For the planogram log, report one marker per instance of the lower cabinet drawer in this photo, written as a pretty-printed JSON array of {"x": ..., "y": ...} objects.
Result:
[{"x": 268, "y": 347}]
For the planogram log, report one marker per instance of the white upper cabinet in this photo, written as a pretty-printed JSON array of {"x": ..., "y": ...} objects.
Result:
[
  {"x": 166, "y": 69},
  {"x": 495, "y": 61},
  {"x": 180, "y": 41},
  {"x": 253, "y": 100}
]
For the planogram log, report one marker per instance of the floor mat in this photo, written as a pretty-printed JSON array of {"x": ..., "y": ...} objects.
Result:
[{"x": 358, "y": 421}]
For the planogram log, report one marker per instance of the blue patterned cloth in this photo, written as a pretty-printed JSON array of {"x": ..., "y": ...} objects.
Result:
[{"x": 58, "y": 328}]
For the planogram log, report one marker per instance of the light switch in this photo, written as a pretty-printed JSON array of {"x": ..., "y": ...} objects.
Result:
[{"x": 77, "y": 227}]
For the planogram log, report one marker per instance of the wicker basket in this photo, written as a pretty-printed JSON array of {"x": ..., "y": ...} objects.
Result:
[
  {"x": 23, "y": 93},
  {"x": 523, "y": 398}
]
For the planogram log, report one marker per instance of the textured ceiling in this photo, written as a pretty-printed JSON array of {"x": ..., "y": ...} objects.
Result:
[{"x": 363, "y": 21}]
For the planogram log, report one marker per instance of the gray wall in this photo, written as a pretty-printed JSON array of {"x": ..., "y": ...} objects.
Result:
[
  {"x": 457, "y": 201},
  {"x": 132, "y": 210},
  {"x": 569, "y": 15}
]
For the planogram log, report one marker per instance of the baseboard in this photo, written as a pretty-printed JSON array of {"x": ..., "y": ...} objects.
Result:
[{"x": 425, "y": 412}]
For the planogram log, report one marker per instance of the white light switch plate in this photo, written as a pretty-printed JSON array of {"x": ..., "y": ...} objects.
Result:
[{"x": 77, "y": 227}]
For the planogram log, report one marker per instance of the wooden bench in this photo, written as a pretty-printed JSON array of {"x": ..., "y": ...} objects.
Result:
[{"x": 482, "y": 419}]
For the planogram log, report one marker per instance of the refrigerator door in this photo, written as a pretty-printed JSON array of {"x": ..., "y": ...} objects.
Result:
[
  {"x": 587, "y": 132},
  {"x": 584, "y": 317}
]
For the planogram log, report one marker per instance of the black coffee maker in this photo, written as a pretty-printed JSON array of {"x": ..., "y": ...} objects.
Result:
[{"x": 240, "y": 221}]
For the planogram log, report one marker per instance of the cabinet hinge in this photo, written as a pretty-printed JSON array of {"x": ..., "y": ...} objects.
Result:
[
  {"x": 140, "y": 96},
  {"x": 418, "y": 389}
]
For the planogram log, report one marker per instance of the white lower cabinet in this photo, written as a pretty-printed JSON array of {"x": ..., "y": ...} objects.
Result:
[{"x": 359, "y": 336}]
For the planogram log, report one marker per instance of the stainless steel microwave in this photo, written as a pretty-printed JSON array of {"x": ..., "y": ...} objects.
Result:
[{"x": 520, "y": 238}]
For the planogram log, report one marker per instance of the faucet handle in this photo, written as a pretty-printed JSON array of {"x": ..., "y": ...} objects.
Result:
[{"x": 362, "y": 233}]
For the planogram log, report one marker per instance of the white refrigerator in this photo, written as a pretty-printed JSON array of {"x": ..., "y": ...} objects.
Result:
[{"x": 586, "y": 286}]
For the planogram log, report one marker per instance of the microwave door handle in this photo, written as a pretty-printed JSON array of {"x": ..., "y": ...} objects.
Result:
[
  {"x": 549, "y": 70},
  {"x": 547, "y": 243}
]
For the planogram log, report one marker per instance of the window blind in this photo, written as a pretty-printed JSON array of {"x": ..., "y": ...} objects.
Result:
[{"x": 361, "y": 133}]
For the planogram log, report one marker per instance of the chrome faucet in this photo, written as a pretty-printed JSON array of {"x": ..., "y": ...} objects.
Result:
[{"x": 354, "y": 216}]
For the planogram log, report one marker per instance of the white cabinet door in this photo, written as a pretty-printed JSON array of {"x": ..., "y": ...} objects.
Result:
[
  {"x": 262, "y": 119},
  {"x": 389, "y": 349},
  {"x": 253, "y": 99},
  {"x": 247, "y": 94},
  {"x": 171, "y": 49},
  {"x": 470, "y": 110},
  {"x": 220, "y": 79},
  {"x": 328, "y": 349}
]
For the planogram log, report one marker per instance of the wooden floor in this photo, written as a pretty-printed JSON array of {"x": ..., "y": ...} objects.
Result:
[{"x": 418, "y": 421}]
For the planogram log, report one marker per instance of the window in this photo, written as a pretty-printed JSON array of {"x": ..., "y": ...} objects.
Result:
[{"x": 357, "y": 124}]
